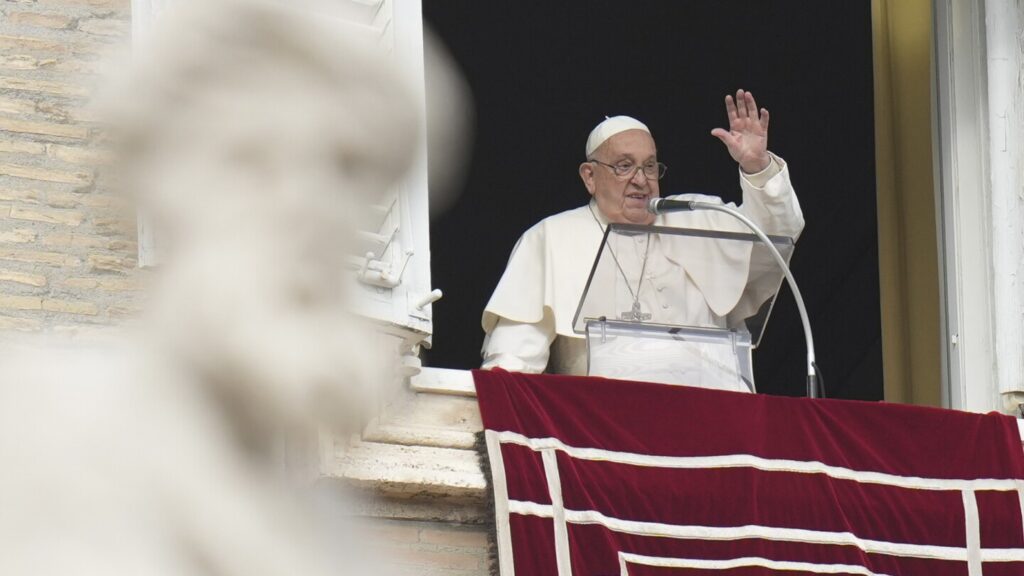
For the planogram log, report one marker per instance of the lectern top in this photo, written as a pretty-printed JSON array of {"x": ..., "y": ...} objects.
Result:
[{"x": 683, "y": 277}]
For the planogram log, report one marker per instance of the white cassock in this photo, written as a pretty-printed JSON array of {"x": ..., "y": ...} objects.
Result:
[{"x": 529, "y": 320}]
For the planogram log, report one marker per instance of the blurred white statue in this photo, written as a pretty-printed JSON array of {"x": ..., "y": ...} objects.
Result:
[{"x": 255, "y": 136}]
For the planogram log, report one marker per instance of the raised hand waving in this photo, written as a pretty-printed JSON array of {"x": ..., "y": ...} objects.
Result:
[{"x": 747, "y": 136}]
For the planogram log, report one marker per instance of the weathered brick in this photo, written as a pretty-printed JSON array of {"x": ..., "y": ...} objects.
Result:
[
  {"x": 25, "y": 196},
  {"x": 62, "y": 240},
  {"x": 48, "y": 215},
  {"x": 39, "y": 19},
  {"x": 121, "y": 245},
  {"x": 8, "y": 42},
  {"x": 44, "y": 86},
  {"x": 15, "y": 302},
  {"x": 45, "y": 174},
  {"x": 80, "y": 44},
  {"x": 51, "y": 55},
  {"x": 22, "y": 324},
  {"x": 37, "y": 257},
  {"x": 80, "y": 283},
  {"x": 24, "y": 62},
  {"x": 18, "y": 236},
  {"x": 17, "y": 106},
  {"x": 102, "y": 5},
  {"x": 55, "y": 111},
  {"x": 456, "y": 537},
  {"x": 395, "y": 533},
  {"x": 428, "y": 558},
  {"x": 70, "y": 307},
  {"x": 21, "y": 147},
  {"x": 37, "y": 280},
  {"x": 108, "y": 283},
  {"x": 94, "y": 48},
  {"x": 104, "y": 27},
  {"x": 122, "y": 311},
  {"x": 63, "y": 200},
  {"x": 77, "y": 241},
  {"x": 109, "y": 225},
  {"x": 110, "y": 263},
  {"x": 79, "y": 154},
  {"x": 44, "y": 128},
  {"x": 76, "y": 65}
]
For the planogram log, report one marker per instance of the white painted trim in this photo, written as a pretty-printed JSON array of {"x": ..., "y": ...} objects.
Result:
[
  {"x": 700, "y": 564},
  {"x": 506, "y": 565},
  {"x": 562, "y": 559},
  {"x": 973, "y": 533},
  {"x": 1005, "y": 106},
  {"x": 759, "y": 463},
  {"x": 963, "y": 202},
  {"x": 407, "y": 32}
]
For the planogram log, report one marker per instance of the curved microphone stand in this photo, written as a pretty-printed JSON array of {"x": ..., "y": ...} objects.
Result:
[{"x": 663, "y": 205}]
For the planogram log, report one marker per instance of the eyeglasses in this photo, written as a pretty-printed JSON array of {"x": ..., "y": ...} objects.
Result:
[{"x": 626, "y": 170}]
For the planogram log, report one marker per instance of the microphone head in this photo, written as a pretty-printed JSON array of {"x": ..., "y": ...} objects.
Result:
[{"x": 652, "y": 205}]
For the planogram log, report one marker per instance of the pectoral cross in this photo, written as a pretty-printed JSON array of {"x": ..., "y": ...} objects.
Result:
[{"x": 635, "y": 315}]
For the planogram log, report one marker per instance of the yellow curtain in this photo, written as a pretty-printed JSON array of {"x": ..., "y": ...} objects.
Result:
[{"x": 907, "y": 240}]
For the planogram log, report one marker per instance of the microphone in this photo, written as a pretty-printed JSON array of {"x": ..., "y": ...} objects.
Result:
[{"x": 667, "y": 205}]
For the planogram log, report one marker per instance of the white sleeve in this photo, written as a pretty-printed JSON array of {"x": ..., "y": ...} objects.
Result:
[
  {"x": 770, "y": 201},
  {"x": 519, "y": 346}
]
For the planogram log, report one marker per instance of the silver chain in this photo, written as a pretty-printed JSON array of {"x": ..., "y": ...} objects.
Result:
[{"x": 643, "y": 268}]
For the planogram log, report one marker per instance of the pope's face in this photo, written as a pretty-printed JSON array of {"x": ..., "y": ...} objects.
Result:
[{"x": 622, "y": 199}]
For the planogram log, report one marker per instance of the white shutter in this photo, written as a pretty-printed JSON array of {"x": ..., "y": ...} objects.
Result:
[{"x": 396, "y": 277}]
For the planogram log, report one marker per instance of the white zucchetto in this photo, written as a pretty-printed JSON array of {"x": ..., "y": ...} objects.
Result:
[{"x": 610, "y": 127}]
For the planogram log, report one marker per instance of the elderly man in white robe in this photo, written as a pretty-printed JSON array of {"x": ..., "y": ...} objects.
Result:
[{"x": 529, "y": 320}]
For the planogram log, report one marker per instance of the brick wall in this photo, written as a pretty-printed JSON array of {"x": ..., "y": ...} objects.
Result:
[
  {"x": 433, "y": 549},
  {"x": 67, "y": 261}
]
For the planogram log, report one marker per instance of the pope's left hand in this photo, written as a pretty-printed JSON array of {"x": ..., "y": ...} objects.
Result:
[{"x": 747, "y": 136}]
